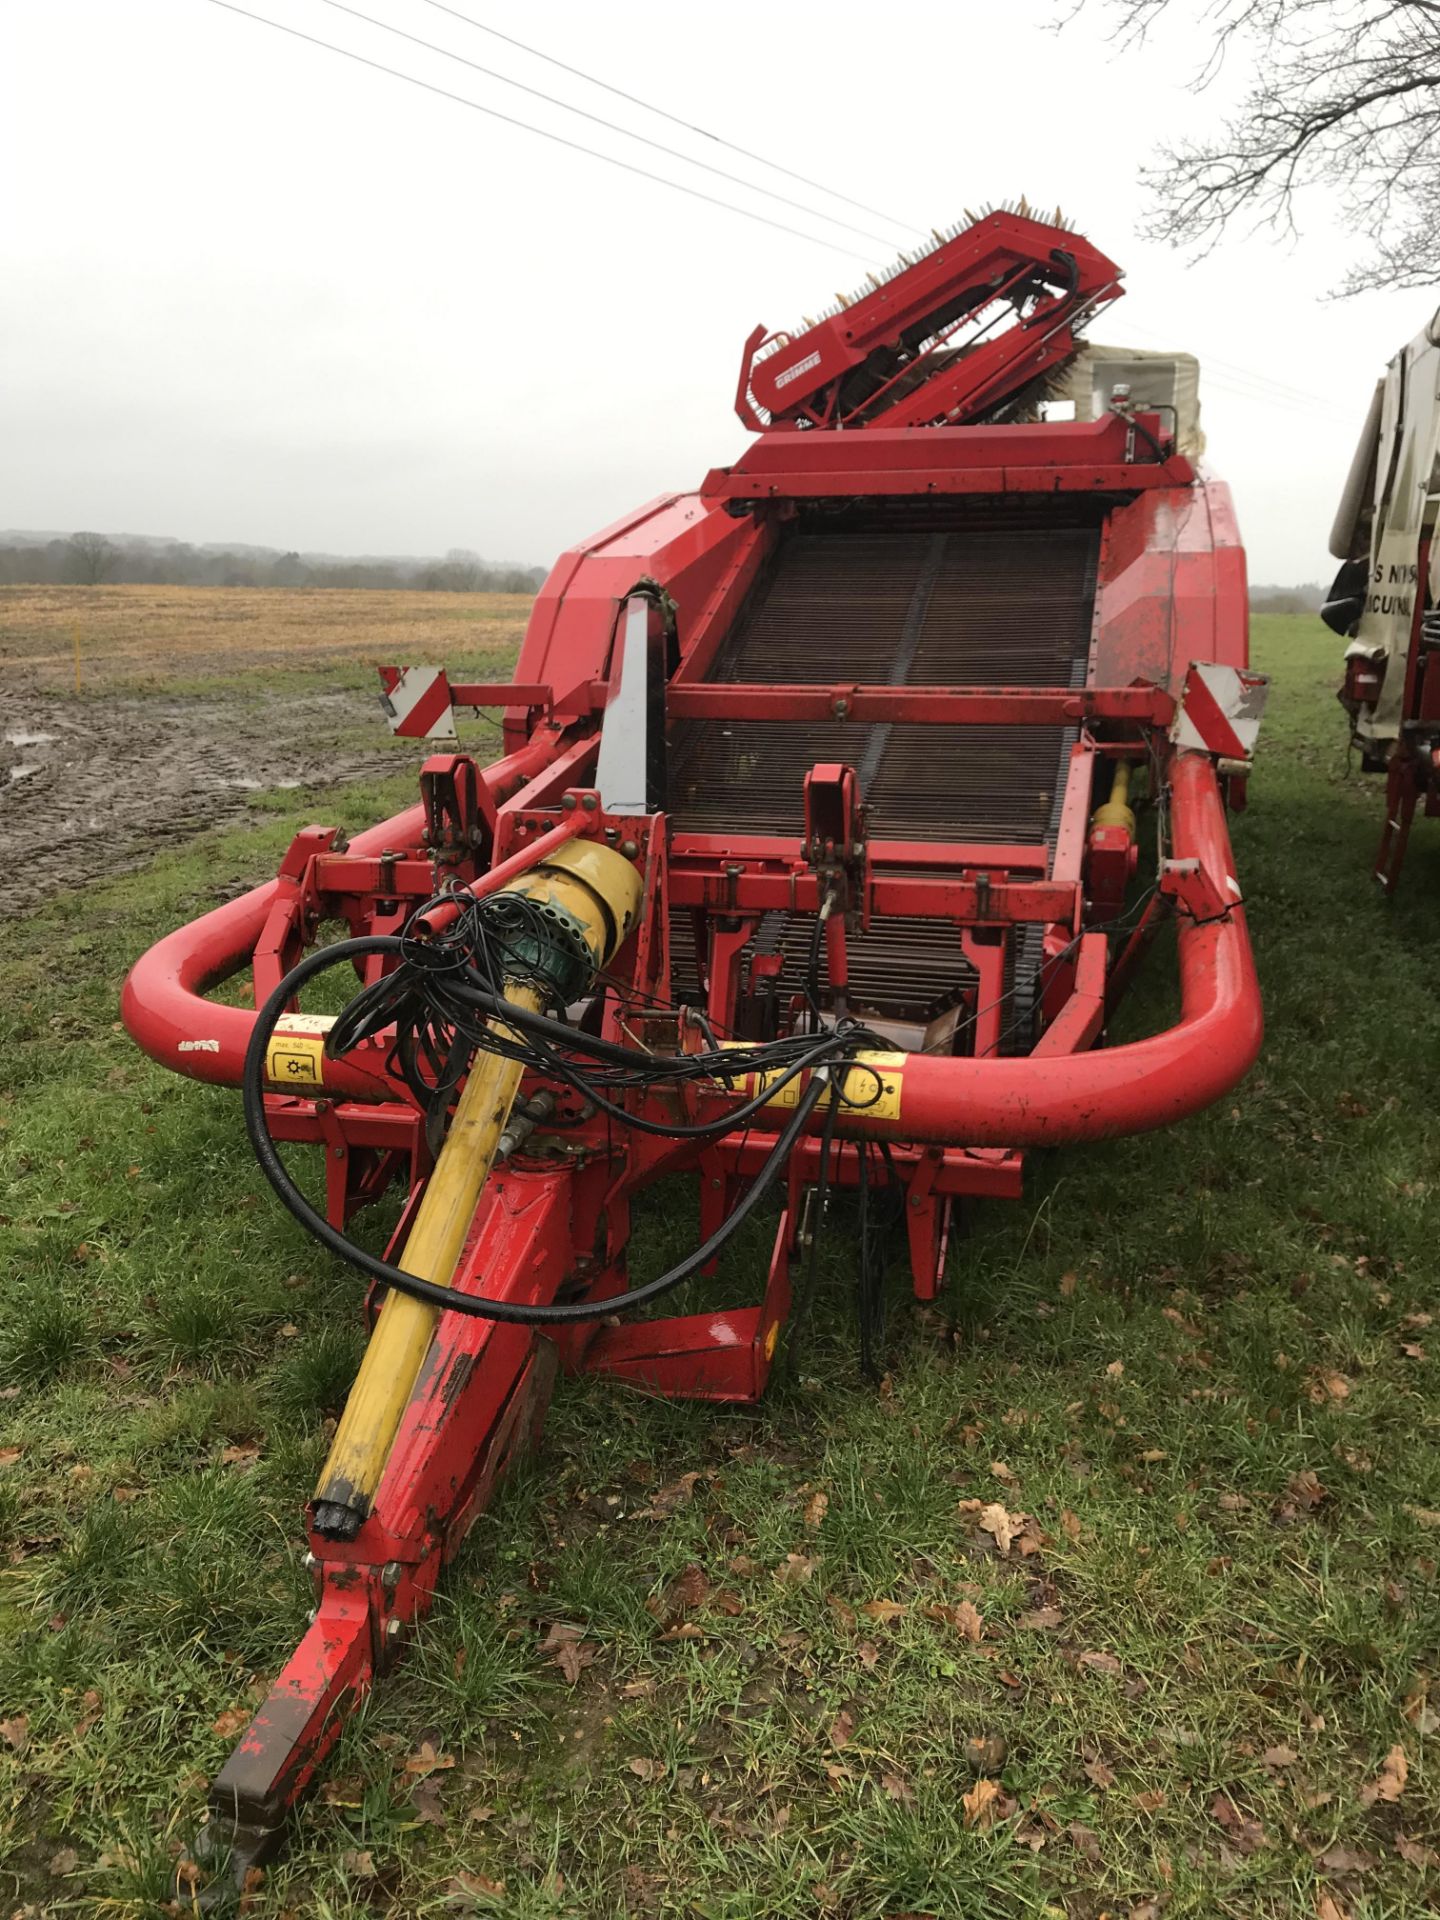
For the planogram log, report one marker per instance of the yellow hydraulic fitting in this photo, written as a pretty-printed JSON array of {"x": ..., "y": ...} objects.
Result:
[
  {"x": 591, "y": 895},
  {"x": 1116, "y": 811}
]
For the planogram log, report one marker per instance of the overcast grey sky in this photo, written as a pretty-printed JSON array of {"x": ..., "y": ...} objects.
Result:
[{"x": 255, "y": 292}]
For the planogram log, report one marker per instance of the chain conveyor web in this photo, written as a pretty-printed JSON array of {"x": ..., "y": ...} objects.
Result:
[
  {"x": 968, "y": 605},
  {"x": 897, "y": 598}
]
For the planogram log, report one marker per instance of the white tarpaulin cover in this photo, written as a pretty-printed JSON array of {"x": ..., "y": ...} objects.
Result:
[{"x": 1154, "y": 380}]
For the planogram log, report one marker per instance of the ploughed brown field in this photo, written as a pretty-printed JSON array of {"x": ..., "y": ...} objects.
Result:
[{"x": 192, "y": 700}]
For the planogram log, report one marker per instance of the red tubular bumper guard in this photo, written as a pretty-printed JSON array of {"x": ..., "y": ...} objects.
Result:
[
  {"x": 1127, "y": 1089},
  {"x": 994, "y": 1102},
  {"x": 163, "y": 1001}
]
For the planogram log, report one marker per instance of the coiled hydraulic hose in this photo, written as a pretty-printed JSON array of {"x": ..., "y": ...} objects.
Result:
[{"x": 448, "y": 1299}]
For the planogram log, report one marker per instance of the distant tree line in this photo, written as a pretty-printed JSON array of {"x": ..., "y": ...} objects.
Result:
[
  {"x": 90, "y": 559},
  {"x": 1303, "y": 599}
]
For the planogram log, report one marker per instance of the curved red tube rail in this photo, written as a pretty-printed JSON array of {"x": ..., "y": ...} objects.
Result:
[
  {"x": 163, "y": 1000},
  {"x": 1013, "y": 1103},
  {"x": 1134, "y": 1088}
]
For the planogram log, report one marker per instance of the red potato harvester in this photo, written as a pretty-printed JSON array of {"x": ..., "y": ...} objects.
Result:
[{"x": 810, "y": 860}]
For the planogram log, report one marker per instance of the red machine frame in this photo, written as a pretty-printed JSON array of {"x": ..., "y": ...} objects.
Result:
[{"x": 1170, "y": 591}]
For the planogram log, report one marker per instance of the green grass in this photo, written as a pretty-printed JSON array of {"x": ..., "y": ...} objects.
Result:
[{"x": 1146, "y": 1355}]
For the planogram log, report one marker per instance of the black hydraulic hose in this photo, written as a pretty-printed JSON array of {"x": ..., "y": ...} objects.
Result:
[
  {"x": 477, "y": 1306},
  {"x": 527, "y": 1021}
]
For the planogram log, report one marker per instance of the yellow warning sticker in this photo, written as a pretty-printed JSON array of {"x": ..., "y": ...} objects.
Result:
[
  {"x": 295, "y": 1060},
  {"x": 871, "y": 1089}
]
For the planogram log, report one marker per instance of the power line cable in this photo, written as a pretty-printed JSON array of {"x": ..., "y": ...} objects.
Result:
[
  {"x": 595, "y": 119},
  {"x": 649, "y": 106},
  {"x": 1234, "y": 367},
  {"x": 593, "y": 153}
]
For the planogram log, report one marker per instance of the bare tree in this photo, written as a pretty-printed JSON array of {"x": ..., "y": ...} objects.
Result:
[
  {"x": 91, "y": 557},
  {"x": 1344, "y": 94}
]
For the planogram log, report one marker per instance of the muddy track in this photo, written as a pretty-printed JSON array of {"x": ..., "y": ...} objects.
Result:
[{"x": 89, "y": 789}]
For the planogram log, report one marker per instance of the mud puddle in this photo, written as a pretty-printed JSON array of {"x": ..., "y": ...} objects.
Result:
[{"x": 89, "y": 789}]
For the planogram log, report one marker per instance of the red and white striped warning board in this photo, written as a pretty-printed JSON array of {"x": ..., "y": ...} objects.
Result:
[
  {"x": 417, "y": 702},
  {"x": 1220, "y": 710}
]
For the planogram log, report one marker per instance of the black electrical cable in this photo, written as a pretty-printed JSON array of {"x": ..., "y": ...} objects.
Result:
[
  {"x": 478, "y": 1306},
  {"x": 805, "y": 1294}
]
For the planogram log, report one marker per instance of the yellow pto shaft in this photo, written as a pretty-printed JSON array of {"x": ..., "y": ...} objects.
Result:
[
  {"x": 1117, "y": 811},
  {"x": 404, "y": 1330},
  {"x": 590, "y": 896}
]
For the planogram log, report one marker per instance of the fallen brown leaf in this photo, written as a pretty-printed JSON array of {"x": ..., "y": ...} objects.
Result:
[
  {"x": 1099, "y": 1662},
  {"x": 980, "y": 1803},
  {"x": 667, "y": 1499},
  {"x": 795, "y": 1569},
  {"x": 816, "y": 1508},
  {"x": 1424, "y": 1516},
  {"x": 63, "y": 1862},
  {"x": 1329, "y": 1906},
  {"x": 1041, "y": 1618},
  {"x": 234, "y": 1720},
  {"x": 1341, "y": 1859},
  {"x": 1248, "y": 1835},
  {"x": 1329, "y": 1386},
  {"x": 1281, "y": 1756},
  {"x": 1070, "y": 1524},
  {"x": 359, "y": 1861},
  {"x": 15, "y": 1732},
  {"x": 646, "y": 1769},
  {"x": 1389, "y": 1783},
  {"x": 1150, "y": 1801},
  {"x": 1000, "y": 1525},
  {"x": 1414, "y": 1853},
  {"x": 896, "y": 1787},
  {"x": 688, "y": 1589},
  {"x": 1099, "y": 1774},
  {"x": 1307, "y": 1489},
  {"x": 842, "y": 1727},
  {"x": 427, "y": 1760},
  {"x": 883, "y": 1610},
  {"x": 962, "y": 1617},
  {"x": 477, "y": 1883}
]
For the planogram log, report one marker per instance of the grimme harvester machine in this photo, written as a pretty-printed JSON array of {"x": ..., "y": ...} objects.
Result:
[
  {"x": 810, "y": 860},
  {"x": 1384, "y": 596}
]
